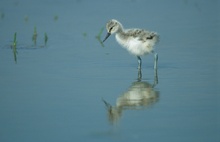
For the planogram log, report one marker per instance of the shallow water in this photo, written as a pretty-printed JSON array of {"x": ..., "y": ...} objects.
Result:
[{"x": 75, "y": 90}]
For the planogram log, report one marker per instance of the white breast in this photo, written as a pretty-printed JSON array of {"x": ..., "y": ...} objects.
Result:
[{"x": 135, "y": 46}]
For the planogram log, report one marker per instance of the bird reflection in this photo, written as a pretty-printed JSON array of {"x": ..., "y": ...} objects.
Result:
[{"x": 140, "y": 94}]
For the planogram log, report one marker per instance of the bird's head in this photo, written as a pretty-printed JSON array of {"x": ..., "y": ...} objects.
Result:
[{"x": 113, "y": 26}]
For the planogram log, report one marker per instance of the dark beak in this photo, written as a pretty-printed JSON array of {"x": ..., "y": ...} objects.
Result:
[{"x": 108, "y": 34}]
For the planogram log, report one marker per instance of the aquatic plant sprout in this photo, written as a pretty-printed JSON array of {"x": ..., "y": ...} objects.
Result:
[
  {"x": 14, "y": 47},
  {"x": 34, "y": 37},
  {"x": 98, "y": 37},
  {"x": 45, "y": 38}
]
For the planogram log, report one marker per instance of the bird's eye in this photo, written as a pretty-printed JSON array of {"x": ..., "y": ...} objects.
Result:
[{"x": 110, "y": 29}]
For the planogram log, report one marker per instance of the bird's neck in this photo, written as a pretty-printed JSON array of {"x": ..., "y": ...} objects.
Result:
[
  {"x": 121, "y": 34},
  {"x": 120, "y": 29}
]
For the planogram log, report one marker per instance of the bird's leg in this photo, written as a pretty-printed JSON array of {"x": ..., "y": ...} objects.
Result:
[
  {"x": 139, "y": 62},
  {"x": 139, "y": 75},
  {"x": 155, "y": 69},
  {"x": 155, "y": 61}
]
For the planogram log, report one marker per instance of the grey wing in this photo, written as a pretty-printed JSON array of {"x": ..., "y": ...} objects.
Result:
[
  {"x": 150, "y": 36},
  {"x": 143, "y": 34},
  {"x": 135, "y": 32}
]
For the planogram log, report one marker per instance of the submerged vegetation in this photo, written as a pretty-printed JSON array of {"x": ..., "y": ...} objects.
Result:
[
  {"x": 34, "y": 37},
  {"x": 26, "y": 18},
  {"x": 84, "y": 34},
  {"x": 14, "y": 47},
  {"x": 55, "y": 18},
  {"x": 2, "y": 15},
  {"x": 45, "y": 39},
  {"x": 98, "y": 36}
]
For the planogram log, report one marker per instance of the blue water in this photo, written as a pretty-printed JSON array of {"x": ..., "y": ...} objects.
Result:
[{"x": 56, "y": 92}]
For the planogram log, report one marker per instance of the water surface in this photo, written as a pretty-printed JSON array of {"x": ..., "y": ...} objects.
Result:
[{"x": 73, "y": 89}]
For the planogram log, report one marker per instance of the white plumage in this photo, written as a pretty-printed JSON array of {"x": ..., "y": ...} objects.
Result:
[{"x": 138, "y": 42}]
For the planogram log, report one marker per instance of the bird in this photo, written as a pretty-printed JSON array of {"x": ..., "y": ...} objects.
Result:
[{"x": 138, "y": 42}]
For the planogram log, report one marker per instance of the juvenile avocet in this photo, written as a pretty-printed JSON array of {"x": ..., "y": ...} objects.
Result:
[{"x": 137, "y": 41}]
